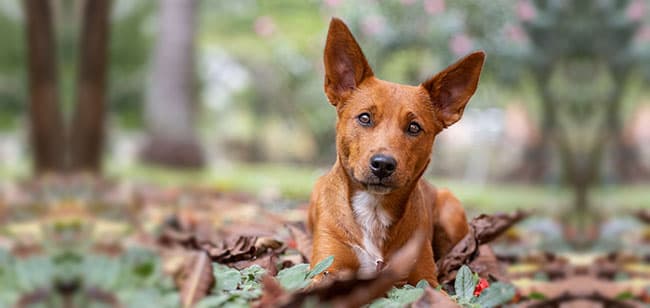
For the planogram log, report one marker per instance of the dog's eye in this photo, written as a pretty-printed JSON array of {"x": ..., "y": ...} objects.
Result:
[
  {"x": 364, "y": 119},
  {"x": 414, "y": 128}
]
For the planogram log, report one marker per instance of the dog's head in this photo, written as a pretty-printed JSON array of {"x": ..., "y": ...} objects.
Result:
[{"x": 385, "y": 131}]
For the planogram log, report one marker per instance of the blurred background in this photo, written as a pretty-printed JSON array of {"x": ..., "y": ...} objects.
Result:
[
  {"x": 141, "y": 142},
  {"x": 229, "y": 94}
]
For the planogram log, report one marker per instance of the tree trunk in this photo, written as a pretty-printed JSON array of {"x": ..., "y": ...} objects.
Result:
[
  {"x": 169, "y": 107},
  {"x": 536, "y": 158},
  {"x": 87, "y": 135},
  {"x": 46, "y": 121}
]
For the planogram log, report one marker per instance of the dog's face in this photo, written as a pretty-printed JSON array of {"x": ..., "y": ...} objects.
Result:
[{"x": 385, "y": 131}]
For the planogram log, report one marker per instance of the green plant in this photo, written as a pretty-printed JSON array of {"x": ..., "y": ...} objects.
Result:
[
  {"x": 399, "y": 297},
  {"x": 300, "y": 276},
  {"x": 236, "y": 288},
  {"x": 495, "y": 294}
]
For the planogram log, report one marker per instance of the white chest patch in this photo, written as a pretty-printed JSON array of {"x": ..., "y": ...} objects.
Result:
[{"x": 374, "y": 222}]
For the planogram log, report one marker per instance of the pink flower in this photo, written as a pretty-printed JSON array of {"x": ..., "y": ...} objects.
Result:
[
  {"x": 525, "y": 10},
  {"x": 434, "y": 7},
  {"x": 264, "y": 26},
  {"x": 636, "y": 10},
  {"x": 460, "y": 44}
]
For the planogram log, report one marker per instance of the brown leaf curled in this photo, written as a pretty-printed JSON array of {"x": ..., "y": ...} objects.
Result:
[{"x": 482, "y": 230}]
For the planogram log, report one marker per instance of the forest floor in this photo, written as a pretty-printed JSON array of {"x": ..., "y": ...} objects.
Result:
[{"x": 170, "y": 240}]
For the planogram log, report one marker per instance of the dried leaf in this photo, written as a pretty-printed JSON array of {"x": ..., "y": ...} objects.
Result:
[
  {"x": 482, "y": 230},
  {"x": 243, "y": 248},
  {"x": 489, "y": 227},
  {"x": 199, "y": 279},
  {"x": 487, "y": 266}
]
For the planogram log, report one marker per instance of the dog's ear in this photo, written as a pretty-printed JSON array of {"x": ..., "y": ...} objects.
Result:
[
  {"x": 451, "y": 89},
  {"x": 345, "y": 65}
]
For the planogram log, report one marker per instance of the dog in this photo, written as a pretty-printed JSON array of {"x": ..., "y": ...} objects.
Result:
[{"x": 374, "y": 199}]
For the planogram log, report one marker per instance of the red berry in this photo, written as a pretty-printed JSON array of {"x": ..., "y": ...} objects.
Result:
[{"x": 480, "y": 286}]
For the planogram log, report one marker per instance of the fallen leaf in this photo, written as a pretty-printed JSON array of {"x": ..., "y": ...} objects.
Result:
[
  {"x": 199, "y": 279},
  {"x": 486, "y": 265},
  {"x": 482, "y": 230}
]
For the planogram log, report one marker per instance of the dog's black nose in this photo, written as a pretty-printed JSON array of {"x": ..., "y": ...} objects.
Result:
[{"x": 382, "y": 165}]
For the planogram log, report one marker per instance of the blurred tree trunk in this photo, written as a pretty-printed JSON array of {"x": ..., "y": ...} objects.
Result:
[
  {"x": 87, "y": 134},
  {"x": 46, "y": 121},
  {"x": 169, "y": 106}
]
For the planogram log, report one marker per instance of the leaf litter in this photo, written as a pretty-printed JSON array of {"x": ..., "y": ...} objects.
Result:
[{"x": 81, "y": 241}]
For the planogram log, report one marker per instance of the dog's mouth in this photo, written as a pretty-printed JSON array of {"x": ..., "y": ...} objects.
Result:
[
  {"x": 380, "y": 189},
  {"x": 377, "y": 187}
]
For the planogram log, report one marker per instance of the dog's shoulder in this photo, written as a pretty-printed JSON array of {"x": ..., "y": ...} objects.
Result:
[
  {"x": 329, "y": 197},
  {"x": 328, "y": 188}
]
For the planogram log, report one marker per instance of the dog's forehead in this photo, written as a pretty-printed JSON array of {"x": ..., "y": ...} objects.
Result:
[
  {"x": 390, "y": 94},
  {"x": 396, "y": 92}
]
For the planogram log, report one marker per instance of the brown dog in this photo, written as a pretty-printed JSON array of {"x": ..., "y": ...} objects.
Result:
[{"x": 373, "y": 200}]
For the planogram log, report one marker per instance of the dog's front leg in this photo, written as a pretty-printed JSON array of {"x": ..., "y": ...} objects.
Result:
[
  {"x": 425, "y": 268},
  {"x": 325, "y": 244}
]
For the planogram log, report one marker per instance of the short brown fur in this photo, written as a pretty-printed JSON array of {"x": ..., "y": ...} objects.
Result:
[{"x": 410, "y": 203}]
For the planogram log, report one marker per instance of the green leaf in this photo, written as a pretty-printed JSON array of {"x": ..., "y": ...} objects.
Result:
[
  {"x": 422, "y": 284},
  {"x": 321, "y": 267},
  {"x": 399, "y": 297},
  {"x": 295, "y": 277},
  {"x": 465, "y": 284},
  {"x": 385, "y": 303},
  {"x": 227, "y": 278},
  {"x": 213, "y": 301},
  {"x": 496, "y": 294},
  {"x": 407, "y": 295},
  {"x": 252, "y": 273},
  {"x": 248, "y": 293}
]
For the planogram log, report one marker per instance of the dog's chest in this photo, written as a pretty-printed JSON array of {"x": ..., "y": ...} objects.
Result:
[{"x": 374, "y": 222}]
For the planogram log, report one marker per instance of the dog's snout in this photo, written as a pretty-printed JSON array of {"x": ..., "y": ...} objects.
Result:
[{"x": 382, "y": 165}]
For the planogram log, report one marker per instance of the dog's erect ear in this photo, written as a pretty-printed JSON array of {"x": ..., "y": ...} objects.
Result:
[
  {"x": 345, "y": 65},
  {"x": 451, "y": 89}
]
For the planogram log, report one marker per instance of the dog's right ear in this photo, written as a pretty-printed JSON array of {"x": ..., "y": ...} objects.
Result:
[{"x": 345, "y": 65}]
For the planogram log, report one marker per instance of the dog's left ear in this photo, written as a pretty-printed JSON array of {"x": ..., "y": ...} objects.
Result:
[{"x": 451, "y": 89}]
